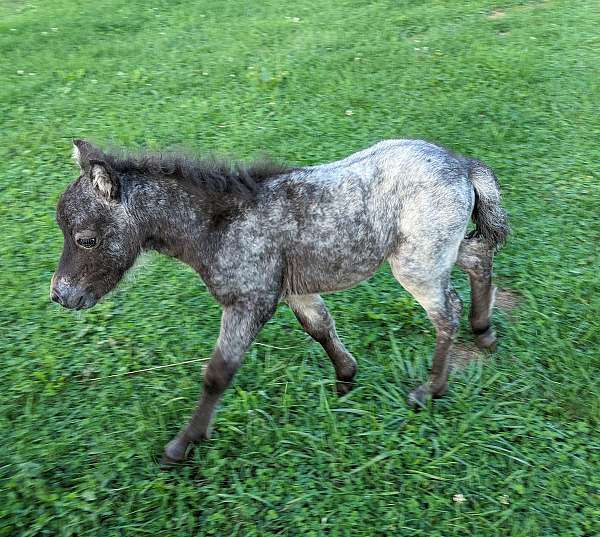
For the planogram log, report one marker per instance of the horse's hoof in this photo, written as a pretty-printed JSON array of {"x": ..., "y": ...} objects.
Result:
[
  {"x": 166, "y": 463},
  {"x": 343, "y": 387},
  {"x": 175, "y": 453},
  {"x": 417, "y": 399},
  {"x": 487, "y": 341}
]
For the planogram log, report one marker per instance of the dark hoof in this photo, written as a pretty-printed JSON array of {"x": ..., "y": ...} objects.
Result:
[
  {"x": 343, "y": 387},
  {"x": 417, "y": 399},
  {"x": 175, "y": 453},
  {"x": 487, "y": 341},
  {"x": 166, "y": 463}
]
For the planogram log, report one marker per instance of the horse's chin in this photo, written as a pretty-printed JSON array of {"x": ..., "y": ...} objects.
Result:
[{"x": 88, "y": 303}]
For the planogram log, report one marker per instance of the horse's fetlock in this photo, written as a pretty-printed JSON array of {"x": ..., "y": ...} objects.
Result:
[
  {"x": 486, "y": 339},
  {"x": 347, "y": 370}
]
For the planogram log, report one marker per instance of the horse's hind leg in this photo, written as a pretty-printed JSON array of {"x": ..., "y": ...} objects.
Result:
[
  {"x": 311, "y": 312},
  {"x": 475, "y": 257},
  {"x": 443, "y": 307}
]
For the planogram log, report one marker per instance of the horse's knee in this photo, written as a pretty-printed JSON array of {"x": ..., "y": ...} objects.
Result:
[
  {"x": 218, "y": 373},
  {"x": 320, "y": 328},
  {"x": 448, "y": 320},
  {"x": 311, "y": 312}
]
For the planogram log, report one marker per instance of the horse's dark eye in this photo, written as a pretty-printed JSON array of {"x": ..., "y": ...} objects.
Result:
[
  {"x": 86, "y": 242},
  {"x": 86, "y": 238}
]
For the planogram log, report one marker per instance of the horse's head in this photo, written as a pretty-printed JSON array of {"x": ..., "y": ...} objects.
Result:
[{"x": 101, "y": 240}]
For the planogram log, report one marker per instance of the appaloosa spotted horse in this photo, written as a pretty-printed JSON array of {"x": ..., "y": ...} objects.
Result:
[{"x": 265, "y": 233}]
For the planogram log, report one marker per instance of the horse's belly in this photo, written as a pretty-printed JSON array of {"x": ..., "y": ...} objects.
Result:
[{"x": 311, "y": 273}]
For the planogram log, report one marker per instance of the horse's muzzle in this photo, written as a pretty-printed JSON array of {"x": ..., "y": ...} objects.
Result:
[{"x": 70, "y": 296}]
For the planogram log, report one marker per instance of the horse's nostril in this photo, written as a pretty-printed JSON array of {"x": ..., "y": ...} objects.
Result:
[{"x": 55, "y": 296}]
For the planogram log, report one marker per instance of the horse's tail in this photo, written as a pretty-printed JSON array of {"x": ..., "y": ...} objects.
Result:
[{"x": 491, "y": 221}]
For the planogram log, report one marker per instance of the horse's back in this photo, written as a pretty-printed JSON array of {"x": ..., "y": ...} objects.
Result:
[{"x": 413, "y": 186}]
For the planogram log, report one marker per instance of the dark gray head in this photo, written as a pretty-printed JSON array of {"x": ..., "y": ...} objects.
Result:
[{"x": 101, "y": 239}]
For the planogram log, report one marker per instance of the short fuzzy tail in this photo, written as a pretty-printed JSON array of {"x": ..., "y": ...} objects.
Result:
[{"x": 491, "y": 220}]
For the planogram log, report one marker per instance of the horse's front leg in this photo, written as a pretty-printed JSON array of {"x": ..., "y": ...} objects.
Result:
[{"x": 240, "y": 323}]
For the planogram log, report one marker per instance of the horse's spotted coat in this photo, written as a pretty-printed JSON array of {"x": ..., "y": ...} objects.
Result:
[{"x": 263, "y": 234}]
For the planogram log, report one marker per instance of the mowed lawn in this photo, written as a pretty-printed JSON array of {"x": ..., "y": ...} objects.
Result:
[{"x": 514, "y": 447}]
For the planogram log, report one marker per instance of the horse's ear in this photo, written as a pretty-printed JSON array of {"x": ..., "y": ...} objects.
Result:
[
  {"x": 104, "y": 180},
  {"x": 82, "y": 152}
]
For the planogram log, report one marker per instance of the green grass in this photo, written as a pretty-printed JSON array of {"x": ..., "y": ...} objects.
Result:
[{"x": 518, "y": 435}]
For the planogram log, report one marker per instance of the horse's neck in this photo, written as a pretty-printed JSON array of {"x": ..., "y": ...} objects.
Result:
[{"x": 171, "y": 219}]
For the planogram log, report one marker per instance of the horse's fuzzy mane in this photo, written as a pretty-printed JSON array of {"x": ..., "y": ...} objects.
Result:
[{"x": 213, "y": 176}]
